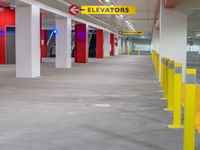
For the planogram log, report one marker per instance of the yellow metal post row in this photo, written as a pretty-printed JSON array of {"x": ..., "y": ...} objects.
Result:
[{"x": 171, "y": 83}]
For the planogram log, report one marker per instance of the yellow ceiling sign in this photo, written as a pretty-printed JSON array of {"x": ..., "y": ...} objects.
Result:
[
  {"x": 108, "y": 10},
  {"x": 133, "y": 32}
]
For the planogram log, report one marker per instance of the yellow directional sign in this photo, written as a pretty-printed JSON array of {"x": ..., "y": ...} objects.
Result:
[
  {"x": 133, "y": 32},
  {"x": 106, "y": 10}
]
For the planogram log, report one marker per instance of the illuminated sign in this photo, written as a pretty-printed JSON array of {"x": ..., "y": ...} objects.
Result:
[{"x": 108, "y": 10}]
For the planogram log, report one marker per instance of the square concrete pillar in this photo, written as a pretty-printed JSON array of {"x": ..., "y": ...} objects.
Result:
[
  {"x": 63, "y": 42},
  {"x": 27, "y": 41},
  {"x": 99, "y": 43},
  {"x": 173, "y": 35},
  {"x": 112, "y": 43},
  {"x": 81, "y": 43},
  {"x": 155, "y": 42},
  {"x": 107, "y": 45}
]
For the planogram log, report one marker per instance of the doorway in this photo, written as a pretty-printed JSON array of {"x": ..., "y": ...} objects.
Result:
[{"x": 10, "y": 45}]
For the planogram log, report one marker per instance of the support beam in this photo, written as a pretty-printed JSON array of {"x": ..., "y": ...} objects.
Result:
[
  {"x": 81, "y": 43},
  {"x": 27, "y": 42},
  {"x": 63, "y": 42},
  {"x": 170, "y": 3},
  {"x": 99, "y": 43}
]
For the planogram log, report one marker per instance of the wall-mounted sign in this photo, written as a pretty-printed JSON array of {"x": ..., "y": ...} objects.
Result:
[
  {"x": 74, "y": 10},
  {"x": 133, "y": 32},
  {"x": 102, "y": 10},
  {"x": 108, "y": 10}
]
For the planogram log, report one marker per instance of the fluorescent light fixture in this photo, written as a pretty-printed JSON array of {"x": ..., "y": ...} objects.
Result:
[
  {"x": 107, "y": 1},
  {"x": 198, "y": 35}
]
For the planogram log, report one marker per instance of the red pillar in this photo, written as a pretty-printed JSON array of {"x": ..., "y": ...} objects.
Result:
[
  {"x": 112, "y": 43},
  {"x": 99, "y": 44},
  {"x": 43, "y": 40},
  {"x": 81, "y": 43},
  {"x": 7, "y": 18}
]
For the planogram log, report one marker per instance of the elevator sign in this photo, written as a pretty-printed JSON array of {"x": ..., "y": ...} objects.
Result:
[
  {"x": 102, "y": 10},
  {"x": 108, "y": 10},
  {"x": 133, "y": 32}
]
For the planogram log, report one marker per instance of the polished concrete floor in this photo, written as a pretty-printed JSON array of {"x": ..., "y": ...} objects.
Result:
[{"x": 108, "y": 104}]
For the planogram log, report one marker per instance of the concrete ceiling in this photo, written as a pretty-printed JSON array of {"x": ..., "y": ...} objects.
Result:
[
  {"x": 194, "y": 24},
  {"x": 143, "y": 20}
]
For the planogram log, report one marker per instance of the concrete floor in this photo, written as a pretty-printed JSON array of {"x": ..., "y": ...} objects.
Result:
[{"x": 108, "y": 104}]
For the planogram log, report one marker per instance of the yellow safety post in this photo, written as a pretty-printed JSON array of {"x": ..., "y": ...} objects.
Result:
[
  {"x": 170, "y": 87},
  {"x": 158, "y": 65},
  {"x": 189, "y": 114},
  {"x": 177, "y": 97},
  {"x": 153, "y": 56},
  {"x": 129, "y": 52},
  {"x": 162, "y": 73},
  {"x": 138, "y": 52},
  {"x": 155, "y": 62},
  {"x": 165, "y": 79}
]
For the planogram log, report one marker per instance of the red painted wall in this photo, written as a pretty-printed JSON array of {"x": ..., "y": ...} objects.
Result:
[
  {"x": 99, "y": 44},
  {"x": 7, "y": 18},
  {"x": 81, "y": 43},
  {"x": 112, "y": 43}
]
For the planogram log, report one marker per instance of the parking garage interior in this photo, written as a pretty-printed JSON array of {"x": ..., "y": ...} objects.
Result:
[{"x": 76, "y": 82}]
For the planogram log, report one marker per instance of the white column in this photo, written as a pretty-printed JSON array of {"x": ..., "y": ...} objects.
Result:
[
  {"x": 118, "y": 47},
  {"x": 107, "y": 45},
  {"x": 173, "y": 35},
  {"x": 27, "y": 42},
  {"x": 155, "y": 40},
  {"x": 63, "y": 43}
]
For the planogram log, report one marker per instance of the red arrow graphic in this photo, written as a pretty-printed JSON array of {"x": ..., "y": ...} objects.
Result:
[{"x": 74, "y": 10}]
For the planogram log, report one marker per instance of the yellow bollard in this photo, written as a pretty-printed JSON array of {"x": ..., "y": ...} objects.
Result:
[
  {"x": 170, "y": 87},
  {"x": 165, "y": 79},
  {"x": 161, "y": 78},
  {"x": 177, "y": 97},
  {"x": 129, "y": 52},
  {"x": 138, "y": 52},
  {"x": 189, "y": 111}
]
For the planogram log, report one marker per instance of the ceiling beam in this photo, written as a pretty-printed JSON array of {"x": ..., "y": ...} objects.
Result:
[{"x": 170, "y": 3}]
